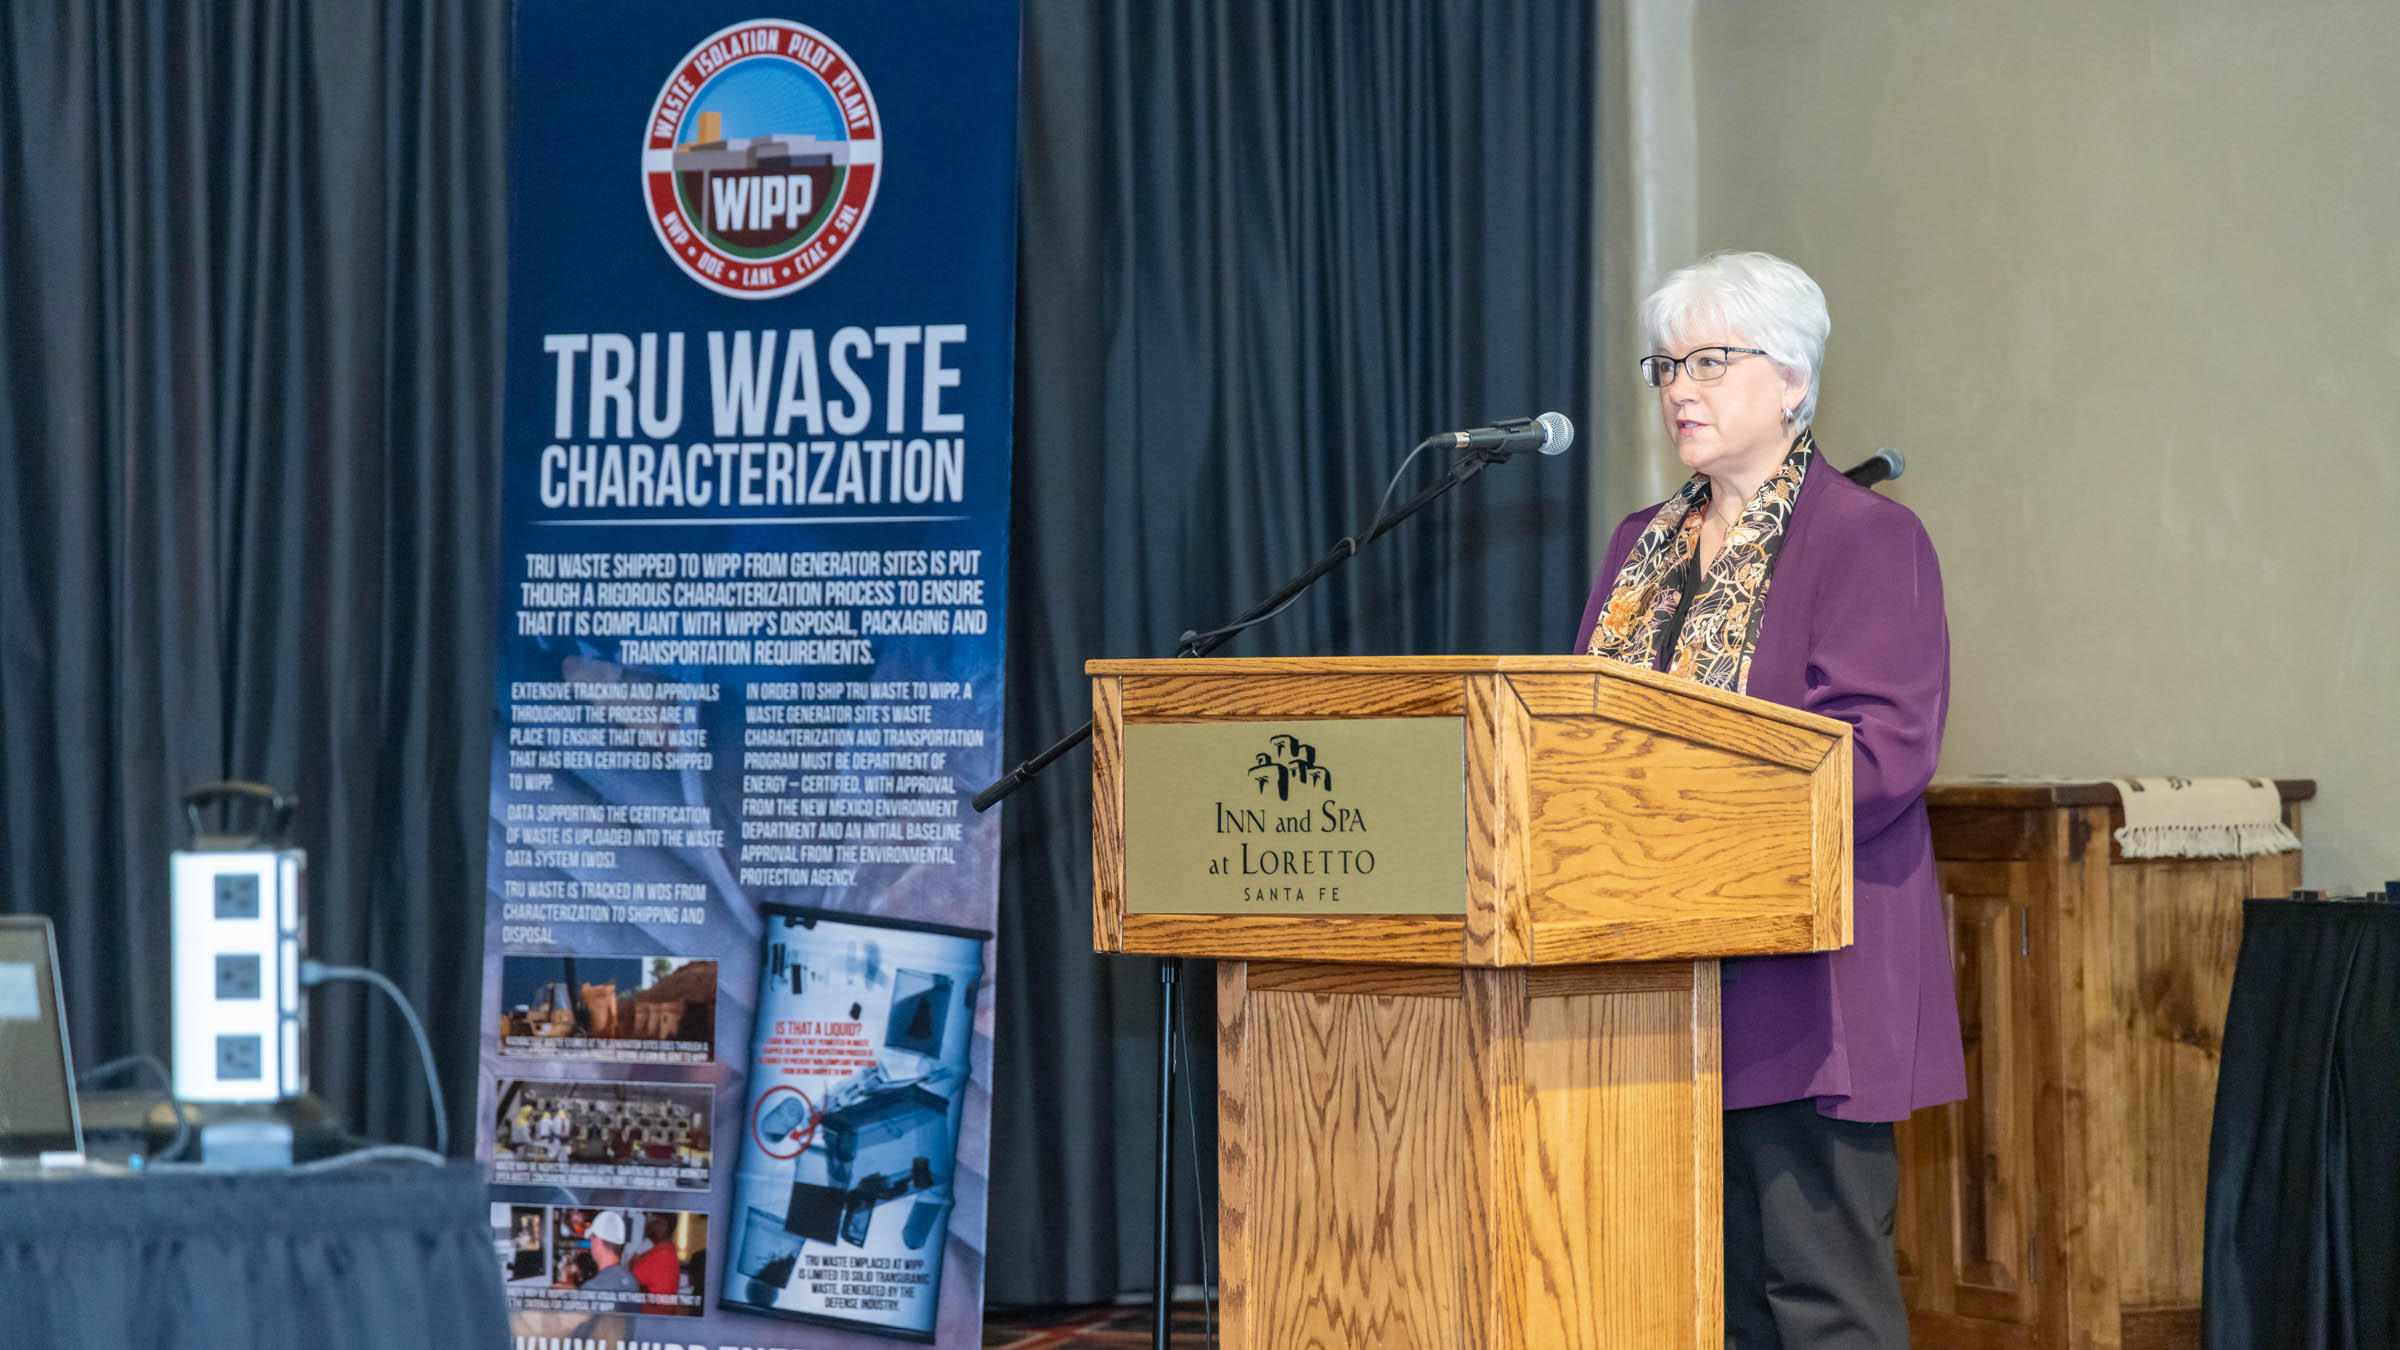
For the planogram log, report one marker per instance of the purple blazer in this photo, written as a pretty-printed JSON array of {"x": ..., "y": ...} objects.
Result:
[{"x": 1853, "y": 629}]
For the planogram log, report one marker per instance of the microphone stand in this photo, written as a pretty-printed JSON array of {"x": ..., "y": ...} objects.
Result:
[{"x": 1194, "y": 644}]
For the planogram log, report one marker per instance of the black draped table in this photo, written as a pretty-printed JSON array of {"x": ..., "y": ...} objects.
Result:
[
  {"x": 376, "y": 1257},
  {"x": 2303, "y": 1240}
]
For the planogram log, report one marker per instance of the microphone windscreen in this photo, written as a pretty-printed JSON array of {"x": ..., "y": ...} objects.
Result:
[
  {"x": 1881, "y": 467},
  {"x": 1559, "y": 433}
]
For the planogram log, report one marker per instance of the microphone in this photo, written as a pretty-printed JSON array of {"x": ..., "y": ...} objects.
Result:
[
  {"x": 1882, "y": 466},
  {"x": 1551, "y": 433}
]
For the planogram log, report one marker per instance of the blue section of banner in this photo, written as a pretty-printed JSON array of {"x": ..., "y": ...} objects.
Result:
[{"x": 736, "y": 1047}]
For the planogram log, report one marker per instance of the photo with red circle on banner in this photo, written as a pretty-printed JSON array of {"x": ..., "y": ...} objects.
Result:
[{"x": 760, "y": 158}]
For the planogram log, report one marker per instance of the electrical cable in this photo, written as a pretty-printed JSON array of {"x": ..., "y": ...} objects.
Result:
[
  {"x": 1191, "y": 1112},
  {"x": 372, "y": 1153},
  {"x": 1190, "y": 642},
  {"x": 375, "y": 1153},
  {"x": 1392, "y": 487},
  {"x": 183, "y": 1123},
  {"x": 314, "y": 972}
]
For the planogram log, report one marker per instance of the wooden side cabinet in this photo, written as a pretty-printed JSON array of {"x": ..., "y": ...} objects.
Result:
[{"x": 2060, "y": 1204}]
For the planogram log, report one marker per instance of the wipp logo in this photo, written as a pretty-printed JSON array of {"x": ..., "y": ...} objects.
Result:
[
  {"x": 1288, "y": 760},
  {"x": 760, "y": 159}
]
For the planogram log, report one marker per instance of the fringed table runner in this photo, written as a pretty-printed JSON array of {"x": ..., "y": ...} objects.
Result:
[{"x": 2202, "y": 818}]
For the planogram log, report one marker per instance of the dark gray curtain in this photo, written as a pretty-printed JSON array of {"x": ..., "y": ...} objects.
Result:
[
  {"x": 251, "y": 266},
  {"x": 2302, "y": 1244},
  {"x": 250, "y": 314},
  {"x": 1265, "y": 249}
]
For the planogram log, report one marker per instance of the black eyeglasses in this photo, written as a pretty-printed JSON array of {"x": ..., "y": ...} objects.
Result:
[{"x": 1701, "y": 363}]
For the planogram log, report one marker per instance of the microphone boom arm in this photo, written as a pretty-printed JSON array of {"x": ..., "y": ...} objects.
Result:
[{"x": 1197, "y": 644}]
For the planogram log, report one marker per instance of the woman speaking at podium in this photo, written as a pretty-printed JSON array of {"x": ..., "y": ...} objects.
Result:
[{"x": 1771, "y": 574}]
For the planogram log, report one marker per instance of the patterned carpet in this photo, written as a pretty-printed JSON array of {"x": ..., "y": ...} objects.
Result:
[{"x": 1113, "y": 1328}]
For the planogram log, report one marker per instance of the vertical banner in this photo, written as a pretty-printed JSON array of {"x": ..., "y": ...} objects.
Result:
[{"x": 736, "y": 1052}]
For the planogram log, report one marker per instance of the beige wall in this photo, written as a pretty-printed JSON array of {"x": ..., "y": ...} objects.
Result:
[{"x": 2123, "y": 282}]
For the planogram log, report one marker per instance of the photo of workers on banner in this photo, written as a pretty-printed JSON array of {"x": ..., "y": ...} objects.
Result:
[
  {"x": 621, "y": 1009},
  {"x": 594, "y": 1259},
  {"x": 635, "y": 1136}
]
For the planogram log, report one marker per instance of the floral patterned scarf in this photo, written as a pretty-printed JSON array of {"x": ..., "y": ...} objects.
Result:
[{"x": 1721, "y": 625}]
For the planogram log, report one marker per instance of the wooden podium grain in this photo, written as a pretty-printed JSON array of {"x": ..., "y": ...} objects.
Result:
[{"x": 1499, "y": 1127}]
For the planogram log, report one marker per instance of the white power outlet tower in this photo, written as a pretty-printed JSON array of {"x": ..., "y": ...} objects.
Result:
[{"x": 238, "y": 933}]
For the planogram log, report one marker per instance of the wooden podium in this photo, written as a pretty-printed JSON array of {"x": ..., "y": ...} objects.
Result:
[{"x": 1467, "y": 1026}]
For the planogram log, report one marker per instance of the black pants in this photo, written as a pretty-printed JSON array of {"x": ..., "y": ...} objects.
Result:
[{"x": 1808, "y": 1232}]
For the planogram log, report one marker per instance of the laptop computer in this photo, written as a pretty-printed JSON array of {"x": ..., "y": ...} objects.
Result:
[{"x": 40, "y": 1124}]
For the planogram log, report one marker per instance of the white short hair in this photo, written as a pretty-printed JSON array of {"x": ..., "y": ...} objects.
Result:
[{"x": 1756, "y": 296}]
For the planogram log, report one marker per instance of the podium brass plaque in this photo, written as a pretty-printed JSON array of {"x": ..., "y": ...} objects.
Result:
[{"x": 1350, "y": 816}]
